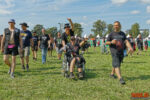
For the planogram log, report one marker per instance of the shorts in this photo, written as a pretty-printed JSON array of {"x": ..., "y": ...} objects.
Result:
[
  {"x": 13, "y": 51},
  {"x": 50, "y": 48},
  {"x": 79, "y": 62},
  {"x": 116, "y": 60},
  {"x": 59, "y": 50},
  {"x": 35, "y": 48},
  {"x": 140, "y": 47},
  {"x": 94, "y": 45},
  {"x": 25, "y": 52}
]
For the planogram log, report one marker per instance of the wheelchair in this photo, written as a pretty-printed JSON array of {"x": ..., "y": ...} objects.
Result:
[{"x": 66, "y": 64}]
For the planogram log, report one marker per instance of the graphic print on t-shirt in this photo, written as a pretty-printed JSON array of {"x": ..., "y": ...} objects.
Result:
[
  {"x": 119, "y": 44},
  {"x": 24, "y": 35},
  {"x": 68, "y": 38},
  {"x": 59, "y": 41}
]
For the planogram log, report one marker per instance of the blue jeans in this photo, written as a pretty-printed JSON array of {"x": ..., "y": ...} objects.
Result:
[{"x": 44, "y": 54}]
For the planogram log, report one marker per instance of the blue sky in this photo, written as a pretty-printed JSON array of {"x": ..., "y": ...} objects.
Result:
[{"x": 50, "y": 12}]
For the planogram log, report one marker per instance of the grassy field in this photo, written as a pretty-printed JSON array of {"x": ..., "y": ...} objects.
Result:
[{"x": 45, "y": 82}]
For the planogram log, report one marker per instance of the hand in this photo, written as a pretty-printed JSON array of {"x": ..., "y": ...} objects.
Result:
[
  {"x": 86, "y": 39},
  {"x": 114, "y": 42},
  {"x": 69, "y": 19},
  {"x": 131, "y": 49}
]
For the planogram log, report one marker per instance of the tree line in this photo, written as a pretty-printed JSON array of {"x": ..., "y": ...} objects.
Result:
[{"x": 100, "y": 28}]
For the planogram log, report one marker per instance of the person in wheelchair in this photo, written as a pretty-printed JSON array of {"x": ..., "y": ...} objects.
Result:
[{"x": 76, "y": 59}]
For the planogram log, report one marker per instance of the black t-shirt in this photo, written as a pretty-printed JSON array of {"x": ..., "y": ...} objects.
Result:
[
  {"x": 139, "y": 42},
  {"x": 119, "y": 47},
  {"x": 74, "y": 49},
  {"x": 66, "y": 37},
  {"x": 130, "y": 39},
  {"x": 58, "y": 42},
  {"x": 44, "y": 41},
  {"x": 35, "y": 40}
]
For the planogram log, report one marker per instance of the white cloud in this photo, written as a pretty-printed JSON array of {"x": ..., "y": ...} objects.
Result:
[
  {"x": 146, "y": 1},
  {"x": 33, "y": 14},
  {"x": 83, "y": 24},
  {"x": 5, "y": 12},
  {"x": 84, "y": 17},
  {"x": 148, "y": 22},
  {"x": 57, "y": 4},
  {"x": 134, "y": 12},
  {"x": 148, "y": 9},
  {"x": 119, "y": 2},
  {"x": 5, "y": 5}
]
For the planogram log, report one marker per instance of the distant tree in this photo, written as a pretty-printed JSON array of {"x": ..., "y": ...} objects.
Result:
[
  {"x": 38, "y": 29},
  {"x": 99, "y": 27},
  {"x": 135, "y": 29},
  {"x": 109, "y": 29},
  {"x": 145, "y": 33},
  {"x": 78, "y": 30},
  {"x": 53, "y": 31}
]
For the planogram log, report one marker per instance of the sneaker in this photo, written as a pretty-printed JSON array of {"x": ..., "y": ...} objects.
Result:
[
  {"x": 35, "y": 59},
  {"x": 72, "y": 76},
  {"x": 80, "y": 75},
  {"x": 122, "y": 81},
  {"x": 12, "y": 75},
  {"x": 9, "y": 71},
  {"x": 23, "y": 67},
  {"x": 113, "y": 76},
  {"x": 27, "y": 66}
]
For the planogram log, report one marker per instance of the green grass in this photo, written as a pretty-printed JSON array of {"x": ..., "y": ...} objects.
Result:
[{"x": 45, "y": 82}]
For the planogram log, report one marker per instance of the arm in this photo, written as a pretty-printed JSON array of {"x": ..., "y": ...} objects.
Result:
[
  {"x": 128, "y": 45},
  {"x": 83, "y": 42},
  {"x": 49, "y": 43},
  {"x": 72, "y": 25},
  {"x": 63, "y": 43},
  {"x": 20, "y": 41},
  {"x": 39, "y": 41},
  {"x": 2, "y": 43}
]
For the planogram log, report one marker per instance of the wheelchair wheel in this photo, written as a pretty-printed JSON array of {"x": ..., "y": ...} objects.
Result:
[
  {"x": 65, "y": 68},
  {"x": 83, "y": 67}
]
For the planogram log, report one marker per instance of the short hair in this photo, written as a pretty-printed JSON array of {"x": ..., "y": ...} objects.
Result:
[{"x": 118, "y": 23}]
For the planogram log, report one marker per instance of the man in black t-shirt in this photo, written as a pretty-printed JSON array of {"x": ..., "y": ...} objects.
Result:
[
  {"x": 35, "y": 39},
  {"x": 58, "y": 45},
  {"x": 44, "y": 44},
  {"x": 139, "y": 44},
  {"x": 66, "y": 36},
  {"x": 117, "y": 41}
]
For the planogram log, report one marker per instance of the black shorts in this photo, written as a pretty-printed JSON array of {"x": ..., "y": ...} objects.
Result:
[
  {"x": 13, "y": 51},
  {"x": 94, "y": 45},
  {"x": 35, "y": 48},
  {"x": 79, "y": 62},
  {"x": 116, "y": 60},
  {"x": 140, "y": 47}
]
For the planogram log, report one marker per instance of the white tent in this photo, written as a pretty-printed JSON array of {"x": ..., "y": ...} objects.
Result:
[
  {"x": 76, "y": 36},
  {"x": 107, "y": 36},
  {"x": 85, "y": 36},
  {"x": 128, "y": 36},
  {"x": 98, "y": 36}
]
